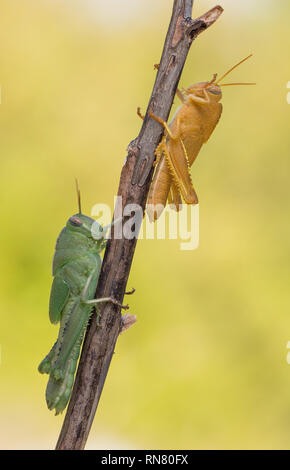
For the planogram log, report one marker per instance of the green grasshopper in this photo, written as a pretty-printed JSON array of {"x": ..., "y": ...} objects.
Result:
[{"x": 76, "y": 268}]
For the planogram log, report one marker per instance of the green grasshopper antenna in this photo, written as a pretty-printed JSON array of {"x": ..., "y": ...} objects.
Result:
[{"x": 78, "y": 196}]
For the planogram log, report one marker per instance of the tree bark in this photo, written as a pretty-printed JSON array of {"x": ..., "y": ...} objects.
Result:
[{"x": 134, "y": 184}]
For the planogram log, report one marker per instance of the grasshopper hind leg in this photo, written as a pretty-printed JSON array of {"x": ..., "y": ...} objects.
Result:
[
  {"x": 58, "y": 392},
  {"x": 73, "y": 325}
]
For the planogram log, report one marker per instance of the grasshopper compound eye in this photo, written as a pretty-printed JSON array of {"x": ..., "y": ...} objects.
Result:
[{"x": 74, "y": 220}]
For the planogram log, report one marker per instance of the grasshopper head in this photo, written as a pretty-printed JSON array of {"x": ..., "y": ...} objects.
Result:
[
  {"x": 213, "y": 90},
  {"x": 81, "y": 223}
]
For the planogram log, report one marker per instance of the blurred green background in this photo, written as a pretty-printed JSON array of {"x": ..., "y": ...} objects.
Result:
[{"x": 205, "y": 365}]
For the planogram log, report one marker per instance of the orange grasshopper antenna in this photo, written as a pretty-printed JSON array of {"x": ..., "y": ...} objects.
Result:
[
  {"x": 78, "y": 196},
  {"x": 233, "y": 68},
  {"x": 231, "y": 84}
]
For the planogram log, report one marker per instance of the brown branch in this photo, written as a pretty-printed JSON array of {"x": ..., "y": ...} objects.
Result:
[{"x": 134, "y": 184}]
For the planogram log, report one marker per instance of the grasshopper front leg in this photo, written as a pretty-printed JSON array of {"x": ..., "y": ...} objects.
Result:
[
  {"x": 97, "y": 301},
  {"x": 171, "y": 134},
  {"x": 106, "y": 299}
]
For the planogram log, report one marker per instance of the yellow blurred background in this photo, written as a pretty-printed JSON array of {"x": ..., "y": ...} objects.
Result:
[{"x": 205, "y": 366}]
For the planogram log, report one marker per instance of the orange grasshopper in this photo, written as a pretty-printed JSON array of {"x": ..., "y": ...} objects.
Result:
[{"x": 191, "y": 126}]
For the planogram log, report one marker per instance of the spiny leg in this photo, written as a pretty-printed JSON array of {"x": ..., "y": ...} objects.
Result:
[
  {"x": 72, "y": 329},
  {"x": 73, "y": 325},
  {"x": 58, "y": 391},
  {"x": 178, "y": 164},
  {"x": 177, "y": 161}
]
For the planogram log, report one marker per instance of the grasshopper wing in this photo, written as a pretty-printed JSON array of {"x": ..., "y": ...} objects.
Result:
[{"x": 58, "y": 297}]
